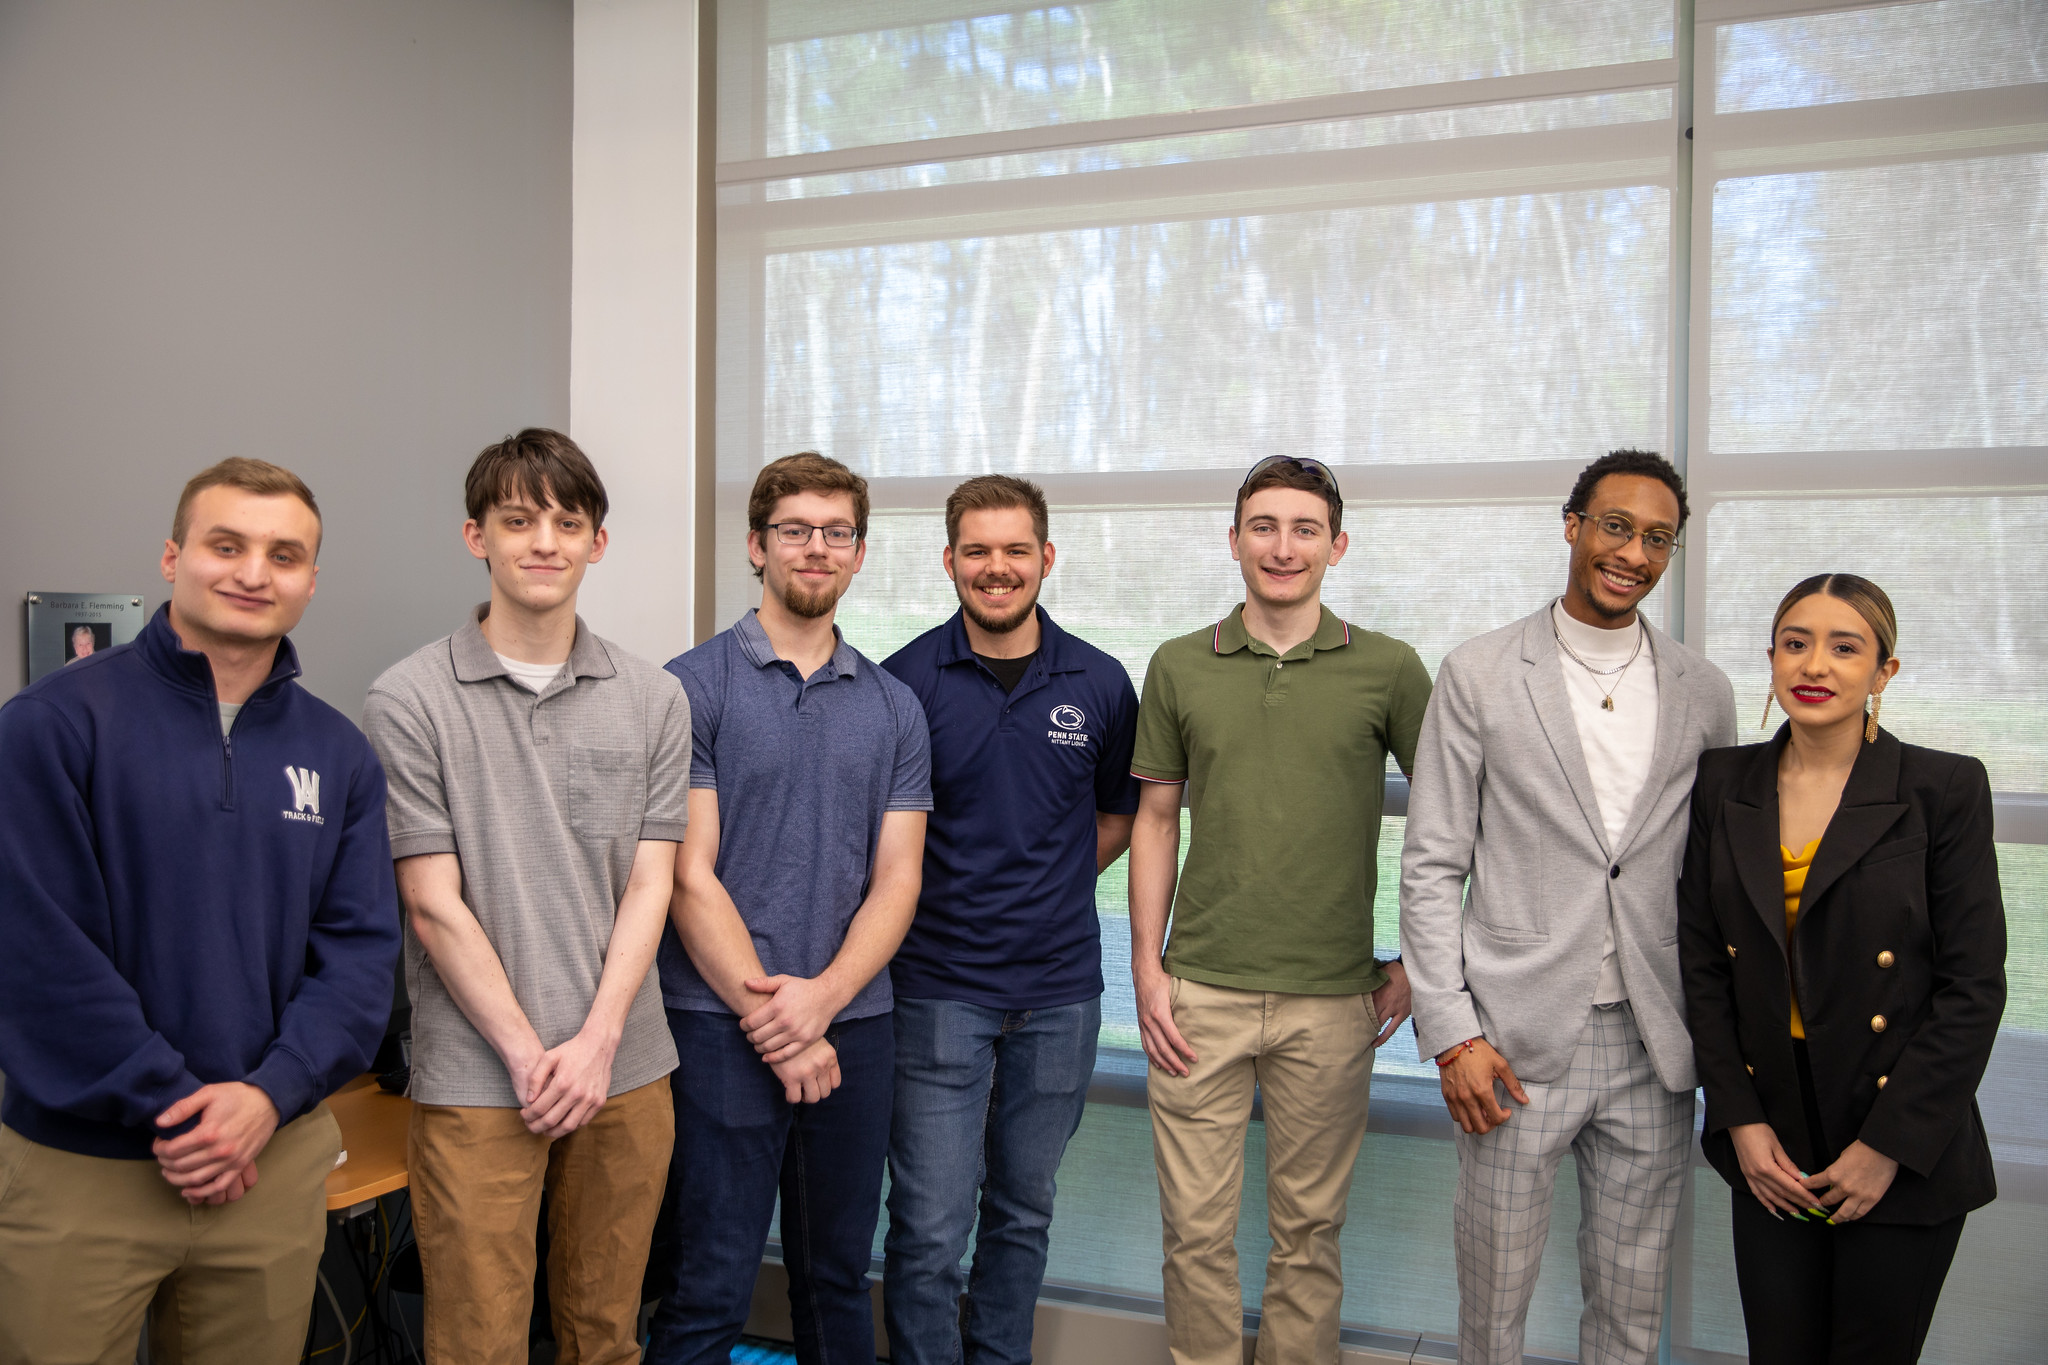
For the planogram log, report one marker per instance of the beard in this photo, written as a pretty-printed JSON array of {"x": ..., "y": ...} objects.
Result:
[
  {"x": 807, "y": 603},
  {"x": 1025, "y": 598}
]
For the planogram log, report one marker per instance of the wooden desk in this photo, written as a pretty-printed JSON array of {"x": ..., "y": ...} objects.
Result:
[{"x": 373, "y": 1125}]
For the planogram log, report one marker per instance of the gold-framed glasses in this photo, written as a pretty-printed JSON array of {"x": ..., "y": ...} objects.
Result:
[{"x": 1616, "y": 531}]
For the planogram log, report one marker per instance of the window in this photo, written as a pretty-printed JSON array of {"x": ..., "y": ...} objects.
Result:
[{"x": 1126, "y": 248}]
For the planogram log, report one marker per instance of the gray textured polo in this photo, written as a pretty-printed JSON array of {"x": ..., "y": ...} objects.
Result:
[{"x": 545, "y": 799}]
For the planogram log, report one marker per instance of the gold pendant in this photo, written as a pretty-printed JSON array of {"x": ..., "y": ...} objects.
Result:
[{"x": 1607, "y": 703}]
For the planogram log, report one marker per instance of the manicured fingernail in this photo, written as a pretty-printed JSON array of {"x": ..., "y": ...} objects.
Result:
[
  {"x": 1775, "y": 1214},
  {"x": 1800, "y": 1216},
  {"x": 1818, "y": 1213}
]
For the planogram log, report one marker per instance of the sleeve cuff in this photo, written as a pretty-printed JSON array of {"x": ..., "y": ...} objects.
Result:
[
  {"x": 287, "y": 1081},
  {"x": 430, "y": 841},
  {"x": 1459, "y": 1021},
  {"x": 1157, "y": 775},
  {"x": 919, "y": 803},
  {"x": 662, "y": 831}
]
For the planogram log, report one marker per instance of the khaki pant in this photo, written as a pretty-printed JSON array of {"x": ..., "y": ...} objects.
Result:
[
  {"x": 477, "y": 1176},
  {"x": 1311, "y": 1058},
  {"x": 89, "y": 1244}
]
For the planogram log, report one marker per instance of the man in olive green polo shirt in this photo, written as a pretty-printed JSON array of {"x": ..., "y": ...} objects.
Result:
[{"x": 1278, "y": 721}]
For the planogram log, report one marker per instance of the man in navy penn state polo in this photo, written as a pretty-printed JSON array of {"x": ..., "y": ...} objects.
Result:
[{"x": 999, "y": 981}]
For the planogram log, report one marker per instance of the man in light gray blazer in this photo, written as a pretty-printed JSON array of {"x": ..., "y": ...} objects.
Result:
[{"x": 1554, "y": 771}]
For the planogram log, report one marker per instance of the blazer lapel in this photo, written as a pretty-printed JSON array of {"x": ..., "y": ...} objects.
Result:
[
  {"x": 1751, "y": 815},
  {"x": 1870, "y": 806},
  {"x": 1674, "y": 702},
  {"x": 1554, "y": 711}
]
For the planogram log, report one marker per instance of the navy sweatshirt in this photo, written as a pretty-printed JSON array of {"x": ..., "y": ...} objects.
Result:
[{"x": 177, "y": 909}]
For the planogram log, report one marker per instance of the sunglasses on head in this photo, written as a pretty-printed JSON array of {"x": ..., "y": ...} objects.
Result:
[{"x": 1301, "y": 462}]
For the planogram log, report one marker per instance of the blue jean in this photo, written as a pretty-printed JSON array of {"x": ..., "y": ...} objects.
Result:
[
  {"x": 739, "y": 1143},
  {"x": 985, "y": 1102}
]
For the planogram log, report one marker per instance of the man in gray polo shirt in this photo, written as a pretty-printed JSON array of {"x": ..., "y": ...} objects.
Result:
[
  {"x": 810, "y": 776},
  {"x": 538, "y": 792}
]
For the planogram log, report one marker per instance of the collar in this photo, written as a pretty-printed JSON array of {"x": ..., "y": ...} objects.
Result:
[
  {"x": 1539, "y": 641},
  {"x": 1603, "y": 646},
  {"x": 475, "y": 660},
  {"x": 191, "y": 671},
  {"x": 760, "y": 650},
  {"x": 954, "y": 646},
  {"x": 1230, "y": 635},
  {"x": 1873, "y": 779}
]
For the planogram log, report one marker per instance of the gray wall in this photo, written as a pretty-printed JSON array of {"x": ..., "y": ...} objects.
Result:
[{"x": 333, "y": 235}]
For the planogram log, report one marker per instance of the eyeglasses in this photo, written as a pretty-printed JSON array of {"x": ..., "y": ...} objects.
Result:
[
  {"x": 1617, "y": 531},
  {"x": 800, "y": 533},
  {"x": 1301, "y": 462}
]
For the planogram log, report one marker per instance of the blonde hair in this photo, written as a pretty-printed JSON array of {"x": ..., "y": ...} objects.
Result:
[
  {"x": 251, "y": 476},
  {"x": 1866, "y": 597}
]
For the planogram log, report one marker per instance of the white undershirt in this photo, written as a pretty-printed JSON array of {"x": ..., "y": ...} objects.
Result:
[
  {"x": 228, "y": 711},
  {"x": 1618, "y": 744},
  {"x": 533, "y": 677}
]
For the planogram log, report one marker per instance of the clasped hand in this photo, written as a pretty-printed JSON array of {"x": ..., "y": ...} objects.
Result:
[
  {"x": 789, "y": 1033},
  {"x": 215, "y": 1162},
  {"x": 1842, "y": 1193},
  {"x": 564, "y": 1087}
]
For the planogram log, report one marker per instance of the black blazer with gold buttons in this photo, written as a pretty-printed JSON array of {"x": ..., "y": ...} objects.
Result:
[{"x": 1899, "y": 956}]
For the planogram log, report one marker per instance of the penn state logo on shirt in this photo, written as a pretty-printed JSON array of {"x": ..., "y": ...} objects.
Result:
[
  {"x": 1067, "y": 720},
  {"x": 305, "y": 796}
]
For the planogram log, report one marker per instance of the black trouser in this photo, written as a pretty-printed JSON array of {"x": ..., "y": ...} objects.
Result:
[{"x": 1858, "y": 1293}]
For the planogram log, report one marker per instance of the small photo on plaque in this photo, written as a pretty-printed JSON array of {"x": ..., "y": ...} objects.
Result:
[
  {"x": 64, "y": 627},
  {"x": 83, "y": 638}
]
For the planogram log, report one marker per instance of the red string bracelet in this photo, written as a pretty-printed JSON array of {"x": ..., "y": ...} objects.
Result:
[{"x": 1469, "y": 1045}]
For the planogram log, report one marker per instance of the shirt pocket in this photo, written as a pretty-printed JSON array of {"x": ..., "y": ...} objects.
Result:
[{"x": 607, "y": 792}]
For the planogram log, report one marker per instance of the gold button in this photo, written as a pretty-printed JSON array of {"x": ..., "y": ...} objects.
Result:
[
  {"x": 1750, "y": 1069},
  {"x": 1885, "y": 958},
  {"x": 1731, "y": 950},
  {"x": 1877, "y": 1023},
  {"x": 1881, "y": 1080}
]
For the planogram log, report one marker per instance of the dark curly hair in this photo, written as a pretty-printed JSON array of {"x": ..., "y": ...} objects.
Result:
[{"x": 1647, "y": 463}]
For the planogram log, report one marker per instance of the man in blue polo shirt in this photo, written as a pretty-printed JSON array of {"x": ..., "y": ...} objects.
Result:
[
  {"x": 809, "y": 782},
  {"x": 999, "y": 982}
]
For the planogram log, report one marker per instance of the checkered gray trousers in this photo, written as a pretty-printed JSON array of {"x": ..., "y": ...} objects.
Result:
[{"x": 1630, "y": 1137}]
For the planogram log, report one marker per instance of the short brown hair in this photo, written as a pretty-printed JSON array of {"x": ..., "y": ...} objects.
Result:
[
  {"x": 994, "y": 492},
  {"x": 251, "y": 476},
  {"x": 804, "y": 472},
  {"x": 538, "y": 464},
  {"x": 1869, "y": 600},
  {"x": 1287, "y": 474}
]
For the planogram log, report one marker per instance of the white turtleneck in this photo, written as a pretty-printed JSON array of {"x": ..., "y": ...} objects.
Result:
[{"x": 1618, "y": 744}]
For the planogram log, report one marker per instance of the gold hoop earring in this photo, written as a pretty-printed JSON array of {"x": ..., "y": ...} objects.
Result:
[
  {"x": 1770, "y": 695},
  {"x": 1870, "y": 726}
]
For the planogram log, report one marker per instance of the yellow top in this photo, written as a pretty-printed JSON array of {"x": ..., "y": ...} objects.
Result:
[{"x": 1796, "y": 865}]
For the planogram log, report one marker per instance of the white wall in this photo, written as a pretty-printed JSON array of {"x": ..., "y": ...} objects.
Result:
[{"x": 632, "y": 352}]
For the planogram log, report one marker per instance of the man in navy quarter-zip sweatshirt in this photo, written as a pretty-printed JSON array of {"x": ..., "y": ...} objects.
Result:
[{"x": 199, "y": 928}]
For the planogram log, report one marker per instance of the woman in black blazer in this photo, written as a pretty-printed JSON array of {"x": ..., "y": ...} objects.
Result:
[{"x": 1842, "y": 940}]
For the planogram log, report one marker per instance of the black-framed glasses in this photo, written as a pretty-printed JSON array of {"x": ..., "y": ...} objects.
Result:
[
  {"x": 838, "y": 536},
  {"x": 1301, "y": 462},
  {"x": 1616, "y": 531}
]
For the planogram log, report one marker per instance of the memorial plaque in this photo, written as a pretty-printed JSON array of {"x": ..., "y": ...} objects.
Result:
[{"x": 64, "y": 627}]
